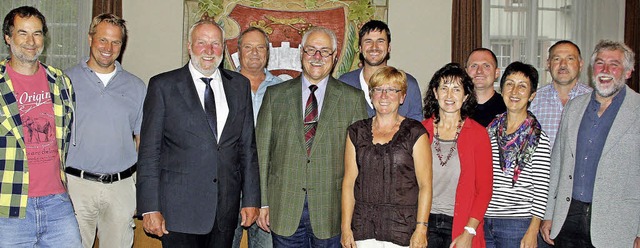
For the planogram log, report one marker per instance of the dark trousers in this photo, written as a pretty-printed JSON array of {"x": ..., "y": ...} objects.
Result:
[
  {"x": 214, "y": 239},
  {"x": 576, "y": 230},
  {"x": 303, "y": 237},
  {"x": 440, "y": 226}
]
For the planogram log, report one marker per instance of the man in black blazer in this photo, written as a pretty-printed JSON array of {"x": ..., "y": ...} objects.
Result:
[{"x": 197, "y": 150}]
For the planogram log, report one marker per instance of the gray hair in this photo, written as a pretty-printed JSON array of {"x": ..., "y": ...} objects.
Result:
[
  {"x": 205, "y": 21},
  {"x": 329, "y": 32},
  {"x": 256, "y": 29},
  {"x": 629, "y": 55}
]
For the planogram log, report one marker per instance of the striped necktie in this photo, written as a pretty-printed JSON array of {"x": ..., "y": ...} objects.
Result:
[{"x": 310, "y": 119}]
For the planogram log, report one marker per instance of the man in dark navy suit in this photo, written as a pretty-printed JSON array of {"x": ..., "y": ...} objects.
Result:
[{"x": 197, "y": 150}]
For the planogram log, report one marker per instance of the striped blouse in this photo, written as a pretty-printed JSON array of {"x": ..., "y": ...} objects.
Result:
[{"x": 528, "y": 197}]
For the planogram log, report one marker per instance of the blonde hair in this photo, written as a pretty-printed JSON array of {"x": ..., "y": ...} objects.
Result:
[
  {"x": 111, "y": 19},
  {"x": 389, "y": 75}
]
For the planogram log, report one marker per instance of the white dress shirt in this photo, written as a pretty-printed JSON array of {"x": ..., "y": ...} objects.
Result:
[{"x": 222, "y": 108}]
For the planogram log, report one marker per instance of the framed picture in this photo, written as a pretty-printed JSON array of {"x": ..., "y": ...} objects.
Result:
[{"x": 285, "y": 21}]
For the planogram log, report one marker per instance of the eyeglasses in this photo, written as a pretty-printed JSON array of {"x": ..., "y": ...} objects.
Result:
[
  {"x": 388, "y": 91},
  {"x": 323, "y": 52}
]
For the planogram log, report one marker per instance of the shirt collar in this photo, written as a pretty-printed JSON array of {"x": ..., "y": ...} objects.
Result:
[
  {"x": 321, "y": 84},
  {"x": 197, "y": 74},
  {"x": 86, "y": 66},
  {"x": 574, "y": 90},
  {"x": 267, "y": 74}
]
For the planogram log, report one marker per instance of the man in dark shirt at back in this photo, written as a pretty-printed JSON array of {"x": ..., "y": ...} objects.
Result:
[{"x": 482, "y": 67}]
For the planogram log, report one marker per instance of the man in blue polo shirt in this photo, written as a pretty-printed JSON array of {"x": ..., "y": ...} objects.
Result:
[{"x": 103, "y": 154}]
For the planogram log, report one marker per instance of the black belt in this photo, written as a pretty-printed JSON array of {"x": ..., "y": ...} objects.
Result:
[{"x": 103, "y": 178}]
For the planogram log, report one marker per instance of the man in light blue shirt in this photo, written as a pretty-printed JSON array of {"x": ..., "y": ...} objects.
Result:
[
  {"x": 102, "y": 158},
  {"x": 253, "y": 51}
]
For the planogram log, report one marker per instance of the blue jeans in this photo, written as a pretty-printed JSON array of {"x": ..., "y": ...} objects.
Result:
[
  {"x": 505, "y": 232},
  {"x": 303, "y": 237},
  {"x": 258, "y": 238},
  {"x": 50, "y": 222}
]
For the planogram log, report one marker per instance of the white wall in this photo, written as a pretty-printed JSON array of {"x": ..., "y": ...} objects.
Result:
[
  {"x": 155, "y": 36},
  {"x": 421, "y": 36}
]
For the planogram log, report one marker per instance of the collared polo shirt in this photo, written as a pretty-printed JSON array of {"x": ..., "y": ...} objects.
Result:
[{"x": 106, "y": 119}]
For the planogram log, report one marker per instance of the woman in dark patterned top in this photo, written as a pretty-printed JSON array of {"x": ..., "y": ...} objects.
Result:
[
  {"x": 386, "y": 191},
  {"x": 521, "y": 163}
]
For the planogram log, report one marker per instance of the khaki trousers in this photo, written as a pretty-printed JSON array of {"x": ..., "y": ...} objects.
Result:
[{"x": 109, "y": 208}]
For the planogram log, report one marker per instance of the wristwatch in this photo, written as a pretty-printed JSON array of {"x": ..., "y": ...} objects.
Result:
[{"x": 471, "y": 230}]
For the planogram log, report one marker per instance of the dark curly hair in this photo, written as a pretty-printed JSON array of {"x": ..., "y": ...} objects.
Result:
[{"x": 450, "y": 72}]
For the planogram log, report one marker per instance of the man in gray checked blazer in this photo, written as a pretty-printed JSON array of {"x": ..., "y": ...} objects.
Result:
[{"x": 594, "y": 195}]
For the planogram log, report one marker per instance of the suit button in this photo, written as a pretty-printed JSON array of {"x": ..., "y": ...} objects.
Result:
[
  {"x": 218, "y": 148},
  {"x": 215, "y": 180},
  {"x": 570, "y": 177},
  {"x": 568, "y": 199},
  {"x": 308, "y": 161}
]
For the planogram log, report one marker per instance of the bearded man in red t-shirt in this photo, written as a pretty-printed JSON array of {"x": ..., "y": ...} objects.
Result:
[{"x": 36, "y": 112}]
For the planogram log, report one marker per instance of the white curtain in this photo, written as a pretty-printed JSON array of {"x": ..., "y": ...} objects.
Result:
[
  {"x": 523, "y": 30},
  {"x": 68, "y": 22}
]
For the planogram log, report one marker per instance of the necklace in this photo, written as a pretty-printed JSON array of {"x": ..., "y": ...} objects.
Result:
[
  {"x": 453, "y": 147},
  {"x": 383, "y": 133}
]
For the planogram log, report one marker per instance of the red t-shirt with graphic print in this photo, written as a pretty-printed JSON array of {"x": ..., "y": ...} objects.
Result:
[{"x": 39, "y": 128}]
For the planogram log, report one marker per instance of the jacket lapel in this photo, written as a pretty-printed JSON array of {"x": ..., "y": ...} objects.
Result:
[
  {"x": 623, "y": 121},
  {"x": 187, "y": 90},
  {"x": 330, "y": 103},
  {"x": 232, "y": 93},
  {"x": 357, "y": 85},
  {"x": 574, "y": 118},
  {"x": 295, "y": 94}
]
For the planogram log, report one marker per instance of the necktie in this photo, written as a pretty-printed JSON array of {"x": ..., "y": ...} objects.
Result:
[
  {"x": 210, "y": 106},
  {"x": 310, "y": 118}
]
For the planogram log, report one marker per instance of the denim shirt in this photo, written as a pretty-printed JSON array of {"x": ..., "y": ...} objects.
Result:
[
  {"x": 592, "y": 135},
  {"x": 256, "y": 97}
]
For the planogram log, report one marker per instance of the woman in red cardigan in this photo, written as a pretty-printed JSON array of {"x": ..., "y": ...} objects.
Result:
[{"x": 462, "y": 172}]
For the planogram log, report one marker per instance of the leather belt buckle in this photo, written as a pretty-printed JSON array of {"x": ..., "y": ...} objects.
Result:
[
  {"x": 105, "y": 178},
  {"x": 102, "y": 178}
]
